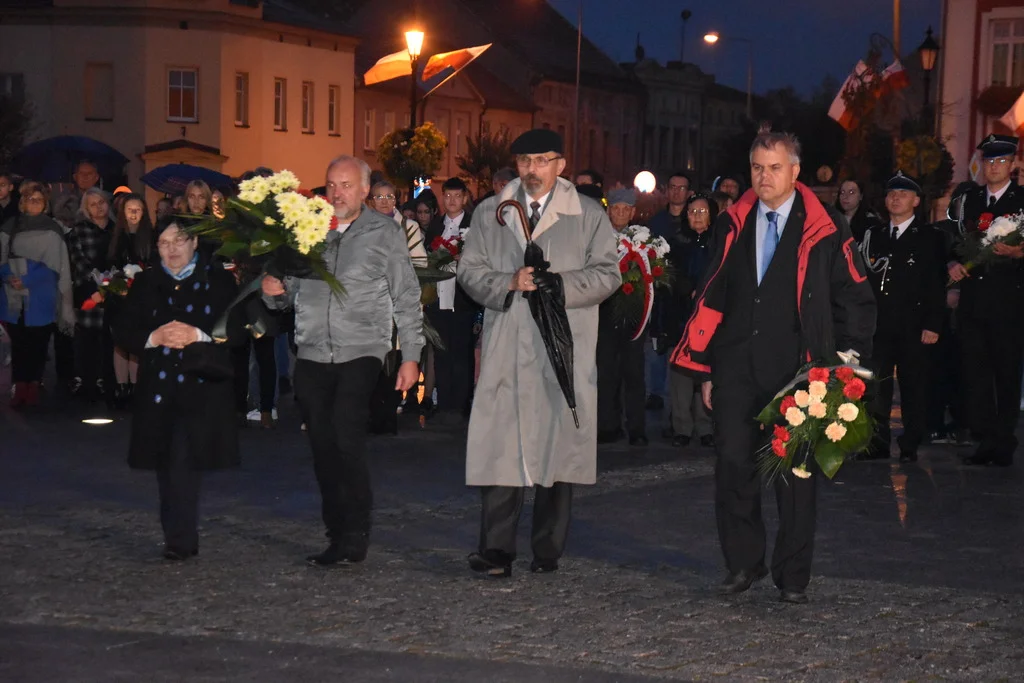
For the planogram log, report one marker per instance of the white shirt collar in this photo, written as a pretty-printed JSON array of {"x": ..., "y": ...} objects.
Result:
[
  {"x": 901, "y": 228},
  {"x": 457, "y": 220},
  {"x": 998, "y": 194},
  {"x": 543, "y": 203},
  {"x": 783, "y": 211}
]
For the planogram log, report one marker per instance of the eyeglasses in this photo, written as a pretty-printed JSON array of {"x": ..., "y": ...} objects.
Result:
[
  {"x": 675, "y": 188},
  {"x": 697, "y": 211},
  {"x": 848, "y": 193},
  {"x": 384, "y": 197},
  {"x": 539, "y": 161},
  {"x": 173, "y": 242},
  {"x": 453, "y": 195},
  {"x": 35, "y": 200},
  {"x": 997, "y": 160}
]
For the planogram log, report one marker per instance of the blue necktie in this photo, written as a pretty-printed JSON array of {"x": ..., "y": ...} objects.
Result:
[{"x": 771, "y": 240}]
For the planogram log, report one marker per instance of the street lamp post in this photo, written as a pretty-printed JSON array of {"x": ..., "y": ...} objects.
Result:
[
  {"x": 712, "y": 37},
  {"x": 929, "y": 51},
  {"x": 414, "y": 42},
  {"x": 577, "y": 163}
]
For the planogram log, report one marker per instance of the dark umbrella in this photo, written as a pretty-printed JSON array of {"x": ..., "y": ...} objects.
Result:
[
  {"x": 549, "y": 314},
  {"x": 174, "y": 178},
  {"x": 53, "y": 160}
]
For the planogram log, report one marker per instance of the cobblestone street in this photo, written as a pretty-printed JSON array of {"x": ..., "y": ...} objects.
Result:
[{"x": 917, "y": 573}]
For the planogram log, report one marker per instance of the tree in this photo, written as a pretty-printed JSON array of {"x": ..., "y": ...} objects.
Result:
[
  {"x": 15, "y": 124},
  {"x": 407, "y": 154},
  {"x": 484, "y": 156}
]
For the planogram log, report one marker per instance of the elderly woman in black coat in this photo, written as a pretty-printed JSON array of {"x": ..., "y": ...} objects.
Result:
[{"x": 183, "y": 421}]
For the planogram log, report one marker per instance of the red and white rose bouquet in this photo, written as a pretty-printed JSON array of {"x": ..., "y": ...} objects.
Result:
[
  {"x": 114, "y": 282},
  {"x": 643, "y": 266},
  {"x": 821, "y": 414},
  {"x": 978, "y": 246}
]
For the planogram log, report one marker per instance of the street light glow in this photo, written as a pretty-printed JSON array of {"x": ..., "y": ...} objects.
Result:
[
  {"x": 414, "y": 41},
  {"x": 645, "y": 181},
  {"x": 97, "y": 421},
  {"x": 711, "y": 37}
]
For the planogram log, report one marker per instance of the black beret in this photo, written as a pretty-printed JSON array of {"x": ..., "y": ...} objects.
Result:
[
  {"x": 998, "y": 146},
  {"x": 902, "y": 182},
  {"x": 592, "y": 191},
  {"x": 538, "y": 141}
]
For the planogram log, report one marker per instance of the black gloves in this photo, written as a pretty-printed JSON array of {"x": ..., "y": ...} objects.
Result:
[{"x": 548, "y": 282}]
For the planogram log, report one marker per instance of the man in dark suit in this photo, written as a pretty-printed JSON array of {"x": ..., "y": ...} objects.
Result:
[
  {"x": 453, "y": 313},
  {"x": 784, "y": 285},
  {"x": 907, "y": 272},
  {"x": 990, "y": 310}
]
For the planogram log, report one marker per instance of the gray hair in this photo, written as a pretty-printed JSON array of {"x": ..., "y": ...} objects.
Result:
[
  {"x": 364, "y": 168},
  {"x": 504, "y": 175},
  {"x": 384, "y": 183},
  {"x": 769, "y": 140},
  {"x": 83, "y": 211}
]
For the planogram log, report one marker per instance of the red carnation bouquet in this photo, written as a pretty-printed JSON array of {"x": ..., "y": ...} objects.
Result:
[
  {"x": 643, "y": 267},
  {"x": 821, "y": 414},
  {"x": 978, "y": 246},
  {"x": 114, "y": 282}
]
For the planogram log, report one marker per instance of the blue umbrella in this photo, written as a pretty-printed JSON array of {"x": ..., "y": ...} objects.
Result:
[
  {"x": 173, "y": 178},
  {"x": 53, "y": 160}
]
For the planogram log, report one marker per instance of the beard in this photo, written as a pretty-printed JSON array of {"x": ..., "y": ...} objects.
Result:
[{"x": 533, "y": 182}]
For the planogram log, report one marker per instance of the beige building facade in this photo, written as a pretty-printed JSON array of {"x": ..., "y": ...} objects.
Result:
[{"x": 217, "y": 83}]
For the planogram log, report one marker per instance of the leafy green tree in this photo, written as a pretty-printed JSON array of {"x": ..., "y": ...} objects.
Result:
[{"x": 406, "y": 154}]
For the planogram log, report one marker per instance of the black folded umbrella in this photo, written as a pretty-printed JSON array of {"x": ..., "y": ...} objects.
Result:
[{"x": 548, "y": 311}]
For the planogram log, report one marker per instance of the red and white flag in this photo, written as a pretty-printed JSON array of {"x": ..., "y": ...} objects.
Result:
[
  {"x": 1014, "y": 119},
  {"x": 894, "y": 77},
  {"x": 839, "y": 112}
]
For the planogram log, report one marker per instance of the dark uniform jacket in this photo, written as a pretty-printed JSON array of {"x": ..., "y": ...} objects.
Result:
[
  {"x": 835, "y": 307},
  {"x": 171, "y": 401},
  {"x": 463, "y": 302},
  {"x": 908, "y": 276},
  {"x": 996, "y": 289}
]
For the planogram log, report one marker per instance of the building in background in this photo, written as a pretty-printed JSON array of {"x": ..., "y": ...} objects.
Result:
[
  {"x": 225, "y": 84},
  {"x": 981, "y": 72}
]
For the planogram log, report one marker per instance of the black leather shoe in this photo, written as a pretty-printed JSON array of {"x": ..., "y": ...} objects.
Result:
[
  {"x": 707, "y": 441},
  {"x": 342, "y": 553},
  {"x": 493, "y": 563},
  {"x": 793, "y": 596},
  {"x": 610, "y": 436},
  {"x": 680, "y": 441},
  {"x": 908, "y": 456},
  {"x": 742, "y": 580},
  {"x": 177, "y": 555},
  {"x": 638, "y": 440},
  {"x": 543, "y": 566}
]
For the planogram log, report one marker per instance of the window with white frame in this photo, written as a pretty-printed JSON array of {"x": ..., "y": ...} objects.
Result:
[
  {"x": 280, "y": 104},
  {"x": 369, "y": 120},
  {"x": 241, "y": 99},
  {"x": 334, "y": 110},
  {"x": 389, "y": 122},
  {"x": 183, "y": 95},
  {"x": 307, "y": 107},
  {"x": 1008, "y": 52}
]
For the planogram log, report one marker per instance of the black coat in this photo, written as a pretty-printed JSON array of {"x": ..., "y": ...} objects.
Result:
[
  {"x": 996, "y": 290},
  {"x": 463, "y": 302},
  {"x": 169, "y": 402},
  {"x": 911, "y": 289}
]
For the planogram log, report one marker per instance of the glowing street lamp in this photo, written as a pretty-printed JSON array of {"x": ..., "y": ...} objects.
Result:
[
  {"x": 414, "y": 42},
  {"x": 712, "y": 38},
  {"x": 645, "y": 181}
]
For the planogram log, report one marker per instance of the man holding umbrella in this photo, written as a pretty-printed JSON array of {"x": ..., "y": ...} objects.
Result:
[{"x": 522, "y": 429}]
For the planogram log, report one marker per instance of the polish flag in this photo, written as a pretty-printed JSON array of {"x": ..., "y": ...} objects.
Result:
[
  {"x": 894, "y": 77},
  {"x": 1014, "y": 119},
  {"x": 839, "y": 111}
]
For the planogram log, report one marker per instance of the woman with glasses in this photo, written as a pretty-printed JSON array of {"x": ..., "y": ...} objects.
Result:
[
  {"x": 36, "y": 290},
  {"x": 182, "y": 422},
  {"x": 851, "y": 203},
  {"x": 689, "y": 255}
]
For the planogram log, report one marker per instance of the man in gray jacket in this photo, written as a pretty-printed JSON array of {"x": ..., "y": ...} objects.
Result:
[{"x": 342, "y": 342}]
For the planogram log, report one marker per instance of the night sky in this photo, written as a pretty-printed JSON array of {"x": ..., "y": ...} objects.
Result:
[{"x": 796, "y": 42}]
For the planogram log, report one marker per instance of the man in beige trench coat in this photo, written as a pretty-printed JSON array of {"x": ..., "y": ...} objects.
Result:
[{"x": 521, "y": 432}]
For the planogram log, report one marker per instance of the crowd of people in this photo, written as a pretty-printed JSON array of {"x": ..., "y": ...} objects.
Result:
[{"x": 750, "y": 301}]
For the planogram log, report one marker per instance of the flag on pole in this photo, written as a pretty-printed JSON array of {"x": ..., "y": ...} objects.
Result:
[
  {"x": 839, "y": 111},
  {"x": 894, "y": 77},
  {"x": 391, "y": 66},
  {"x": 1014, "y": 119},
  {"x": 452, "y": 60}
]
